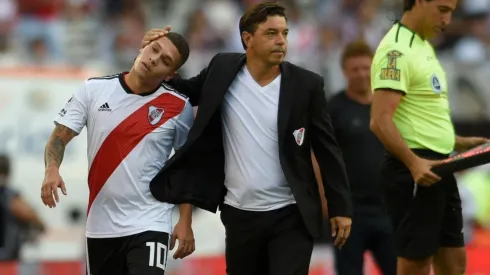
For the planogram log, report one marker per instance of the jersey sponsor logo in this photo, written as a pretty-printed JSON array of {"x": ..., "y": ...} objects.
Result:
[
  {"x": 155, "y": 114},
  {"x": 62, "y": 113},
  {"x": 299, "y": 136},
  {"x": 391, "y": 72},
  {"x": 105, "y": 108},
  {"x": 435, "y": 83}
]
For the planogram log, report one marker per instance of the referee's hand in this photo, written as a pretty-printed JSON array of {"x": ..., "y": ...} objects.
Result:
[
  {"x": 185, "y": 236},
  {"x": 422, "y": 172},
  {"x": 341, "y": 227}
]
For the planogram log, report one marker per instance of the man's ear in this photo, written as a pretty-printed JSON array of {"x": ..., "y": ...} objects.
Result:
[{"x": 247, "y": 39}]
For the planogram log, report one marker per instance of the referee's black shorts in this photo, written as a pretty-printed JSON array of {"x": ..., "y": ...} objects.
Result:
[{"x": 424, "y": 218}]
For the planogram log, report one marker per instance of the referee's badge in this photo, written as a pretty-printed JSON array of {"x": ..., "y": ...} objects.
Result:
[
  {"x": 435, "y": 83},
  {"x": 299, "y": 136}
]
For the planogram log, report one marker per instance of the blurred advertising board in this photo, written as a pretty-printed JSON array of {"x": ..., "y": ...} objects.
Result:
[{"x": 29, "y": 101}]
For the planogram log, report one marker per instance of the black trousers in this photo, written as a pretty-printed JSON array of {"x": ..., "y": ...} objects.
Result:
[
  {"x": 266, "y": 243},
  {"x": 372, "y": 233}
]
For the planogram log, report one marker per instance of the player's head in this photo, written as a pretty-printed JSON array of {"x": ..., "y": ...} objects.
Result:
[
  {"x": 4, "y": 169},
  {"x": 356, "y": 63},
  {"x": 264, "y": 30},
  {"x": 162, "y": 57},
  {"x": 434, "y": 15}
]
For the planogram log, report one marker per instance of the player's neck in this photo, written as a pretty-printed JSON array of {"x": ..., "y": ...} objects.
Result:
[
  {"x": 139, "y": 85},
  {"x": 362, "y": 97},
  {"x": 411, "y": 21},
  {"x": 262, "y": 73}
]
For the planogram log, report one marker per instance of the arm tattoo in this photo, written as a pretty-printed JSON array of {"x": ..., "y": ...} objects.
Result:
[{"x": 55, "y": 149}]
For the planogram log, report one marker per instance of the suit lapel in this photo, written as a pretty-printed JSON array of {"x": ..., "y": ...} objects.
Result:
[
  {"x": 285, "y": 101},
  {"x": 226, "y": 71}
]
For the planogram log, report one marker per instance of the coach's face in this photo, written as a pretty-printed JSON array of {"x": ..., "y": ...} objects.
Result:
[
  {"x": 159, "y": 59},
  {"x": 437, "y": 14},
  {"x": 357, "y": 71},
  {"x": 270, "y": 40}
]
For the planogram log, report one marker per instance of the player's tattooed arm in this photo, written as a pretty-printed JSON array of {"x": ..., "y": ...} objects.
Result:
[{"x": 55, "y": 148}]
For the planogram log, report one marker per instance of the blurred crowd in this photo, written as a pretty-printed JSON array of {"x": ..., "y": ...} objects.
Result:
[{"x": 106, "y": 34}]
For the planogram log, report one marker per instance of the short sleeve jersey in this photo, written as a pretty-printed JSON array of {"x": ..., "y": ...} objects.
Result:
[
  {"x": 407, "y": 63},
  {"x": 130, "y": 137}
]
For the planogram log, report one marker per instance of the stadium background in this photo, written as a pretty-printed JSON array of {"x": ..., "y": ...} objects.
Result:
[{"x": 47, "y": 48}]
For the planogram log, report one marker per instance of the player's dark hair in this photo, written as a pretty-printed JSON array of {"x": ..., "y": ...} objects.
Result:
[
  {"x": 355, "y": 49},
  {"x": 181, "y": 44},
  {"x": 258, "y": 14},
  {"x": 4, "y": 165}
]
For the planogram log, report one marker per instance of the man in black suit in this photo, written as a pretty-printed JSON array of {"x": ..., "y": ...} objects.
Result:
[{"x": 249, "y": 152}]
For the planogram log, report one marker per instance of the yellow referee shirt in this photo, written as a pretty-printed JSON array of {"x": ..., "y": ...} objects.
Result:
[{"x": 407, "y": 63}]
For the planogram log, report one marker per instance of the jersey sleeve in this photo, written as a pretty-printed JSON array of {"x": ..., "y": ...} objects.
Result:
[
  {"x": 183, "y": 124},
  {"x": 391, "y": 69},
  {"x": 74, "y": 114}
]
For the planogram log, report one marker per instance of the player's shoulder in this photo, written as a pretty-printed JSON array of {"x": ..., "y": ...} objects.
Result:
[
  {"x": 170, "y": 90},
  {"x": 98, "y": 81},
  {"x": 104, "y": 78}
]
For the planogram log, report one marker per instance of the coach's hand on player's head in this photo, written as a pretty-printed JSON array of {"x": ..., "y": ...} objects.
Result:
[
  {"x": 154, "y": 34},
  {"x": 185, "y": 236},
  {"x": 49, "y": 190},
  {"x": 341, "y": 227},
  {"x": 422, "y": 173}
]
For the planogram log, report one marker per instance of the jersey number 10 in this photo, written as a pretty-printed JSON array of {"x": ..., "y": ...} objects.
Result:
[{"x": 156, "y": 252}]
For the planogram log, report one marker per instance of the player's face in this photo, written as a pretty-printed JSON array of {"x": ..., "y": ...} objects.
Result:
[
  {"x": 159, "y": 59},
  {"x": 357, "y": 71},
  {"x": 270, "y": 40},
  {"x": 438, "y": 14}
]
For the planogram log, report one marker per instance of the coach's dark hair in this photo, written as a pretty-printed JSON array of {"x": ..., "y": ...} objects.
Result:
[
  {"x": 4, "y": 165},
  {"x": 181, "y": 44},
  {"x": 258, "y": 14},
  {"x": 408, "y": 4}
]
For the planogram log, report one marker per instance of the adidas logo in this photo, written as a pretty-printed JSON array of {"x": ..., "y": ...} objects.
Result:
[{"x": 105, "y": 107}]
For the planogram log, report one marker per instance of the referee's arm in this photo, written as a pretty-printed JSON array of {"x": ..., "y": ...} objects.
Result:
[
  {"x": 329, "y": 156},
  {"x": 385, "y": 102},
  {"x": 390, "y": 77}
]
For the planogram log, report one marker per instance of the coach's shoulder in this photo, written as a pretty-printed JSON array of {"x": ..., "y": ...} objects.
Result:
[
  {"x": 227, "y": 57},
  {"x": 303, "y": 73}
]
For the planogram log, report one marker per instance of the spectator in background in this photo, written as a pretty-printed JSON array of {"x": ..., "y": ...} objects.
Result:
[
  {"x": 7, "y": 14},
  {"x": 363, "y": 153},
  {"x": 40, "y": 20},
  {"x": 17, "y": 219}
]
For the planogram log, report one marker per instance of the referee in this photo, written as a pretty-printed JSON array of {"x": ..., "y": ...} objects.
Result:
[{"x": 411, "y": 116}]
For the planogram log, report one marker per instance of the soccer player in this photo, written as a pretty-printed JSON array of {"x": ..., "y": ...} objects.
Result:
[
  {"x": 363, "y": 153},
  {"x": 132, "y": 124},
  {"x": 411, "y": 116}
]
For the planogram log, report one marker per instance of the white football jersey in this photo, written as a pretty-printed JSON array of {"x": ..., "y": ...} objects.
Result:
[{"x": 130, "y": 137}]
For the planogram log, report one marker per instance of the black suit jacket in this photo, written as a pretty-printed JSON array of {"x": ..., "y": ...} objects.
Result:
[{"x": 195, "y": 174}]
